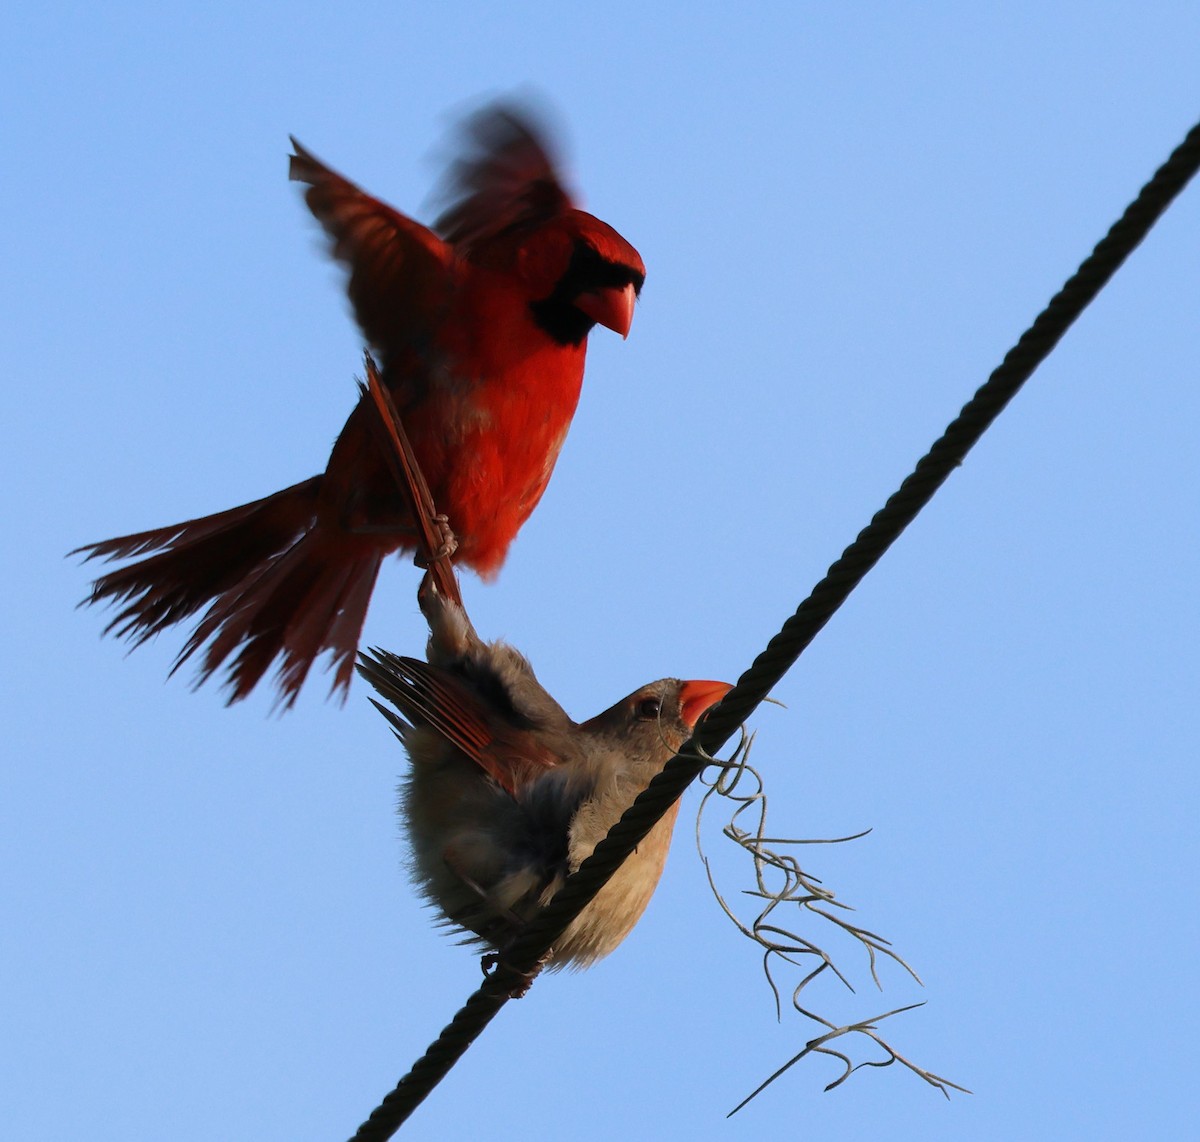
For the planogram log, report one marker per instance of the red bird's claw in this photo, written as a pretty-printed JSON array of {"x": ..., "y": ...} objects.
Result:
[{"x": 447, "y": 544}]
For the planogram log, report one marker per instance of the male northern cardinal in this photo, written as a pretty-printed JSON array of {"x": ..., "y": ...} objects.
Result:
[
  {"x": 507, "y": 795},
  {"x": 481, "y": 330}
]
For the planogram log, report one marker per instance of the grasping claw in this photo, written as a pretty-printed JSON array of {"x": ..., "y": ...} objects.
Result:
[
  {"x": 493, "y": 961},
  {"x": 447, "y": 543}
]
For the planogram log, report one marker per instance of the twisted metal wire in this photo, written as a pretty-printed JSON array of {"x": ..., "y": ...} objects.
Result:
[{"x": 523, "y": 956}]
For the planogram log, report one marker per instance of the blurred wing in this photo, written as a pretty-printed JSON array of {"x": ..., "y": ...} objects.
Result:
[
  {"x": 430, "y": 696},
  {"x": 506, "y": 179},
  {"x": 401, "y": 273}
]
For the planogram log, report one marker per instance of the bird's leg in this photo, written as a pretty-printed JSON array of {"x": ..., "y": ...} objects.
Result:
[
  {"x": 447, "y": 543},
  {"x": 493, "y": 961}
]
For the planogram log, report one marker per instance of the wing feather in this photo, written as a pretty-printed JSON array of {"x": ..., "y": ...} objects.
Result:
[
  {"x": 433, "y": 697},
  {"x": 401, "y": 273}
]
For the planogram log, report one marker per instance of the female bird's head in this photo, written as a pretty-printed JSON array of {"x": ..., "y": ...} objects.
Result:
[{"x": 654, "y": 722}]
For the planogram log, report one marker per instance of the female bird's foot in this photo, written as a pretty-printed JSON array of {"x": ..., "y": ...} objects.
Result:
[{"x": 494, "y": 961}]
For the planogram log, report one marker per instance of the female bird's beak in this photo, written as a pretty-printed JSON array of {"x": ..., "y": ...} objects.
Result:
[
  {"x": 612, "y": 308},
  {"x": 696, "y": 697}
]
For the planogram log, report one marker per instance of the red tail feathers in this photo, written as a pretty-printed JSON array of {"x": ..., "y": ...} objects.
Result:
[{"x": 276, "y": 585}]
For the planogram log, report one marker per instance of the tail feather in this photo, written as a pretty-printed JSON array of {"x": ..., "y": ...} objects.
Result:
[
  {"x": 346, "y": 631},
  {"x": 275, "y": 586},
  {"x": 309, "y": 600},
  {"x": 197, "y": 560}
]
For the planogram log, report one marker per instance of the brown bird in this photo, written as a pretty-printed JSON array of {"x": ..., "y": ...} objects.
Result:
[
  {"x": 507, "y": 795},
  {"x": 481, "y": 332}
]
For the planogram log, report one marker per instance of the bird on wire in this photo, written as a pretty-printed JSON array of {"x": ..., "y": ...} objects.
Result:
[{"x": 506, "y": 795}]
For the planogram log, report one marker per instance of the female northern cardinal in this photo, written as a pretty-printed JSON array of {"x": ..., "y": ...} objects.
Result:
[
  {"x": 481, "y": 333},
  {"x": 507, "y": 795}
]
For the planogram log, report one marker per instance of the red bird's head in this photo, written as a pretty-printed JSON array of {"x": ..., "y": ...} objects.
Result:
[
  {"x": 509, "y": 212},
  {"x": 580, "y": 273}
]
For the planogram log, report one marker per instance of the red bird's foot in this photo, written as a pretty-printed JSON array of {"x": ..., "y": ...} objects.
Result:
[
  {"x": 447, "y": 543},
  {"x": 492, "y": 962}
]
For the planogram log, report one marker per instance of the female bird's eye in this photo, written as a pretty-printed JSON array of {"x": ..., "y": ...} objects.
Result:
[{"x": 649, "y": 708}]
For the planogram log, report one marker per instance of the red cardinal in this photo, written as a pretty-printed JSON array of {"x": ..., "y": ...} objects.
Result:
[
  {"x": 507, "y": 795},
  {"x": 481, "y": 331}
]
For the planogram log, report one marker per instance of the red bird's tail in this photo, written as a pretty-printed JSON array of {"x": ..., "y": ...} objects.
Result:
[{"x": 275, "y": 583}]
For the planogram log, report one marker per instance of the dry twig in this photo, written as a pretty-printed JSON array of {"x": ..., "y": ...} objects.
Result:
[{"x": 779, "y": 880}]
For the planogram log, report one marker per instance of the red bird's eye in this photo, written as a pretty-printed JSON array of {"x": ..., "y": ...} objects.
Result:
[{"x": 649, "y": 708}]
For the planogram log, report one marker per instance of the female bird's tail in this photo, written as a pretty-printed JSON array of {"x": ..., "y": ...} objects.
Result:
[{"x": 275, "y": 583}]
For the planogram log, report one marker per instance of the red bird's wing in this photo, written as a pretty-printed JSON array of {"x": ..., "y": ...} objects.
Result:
[
  {"x": 431, "y": 696},
  {"x": 506, "y": 180},
  {"x": 401, "y": 273}
]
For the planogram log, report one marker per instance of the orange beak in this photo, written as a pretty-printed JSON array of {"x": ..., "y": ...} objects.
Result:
[
  {"x": 612, "y": 308},
  {"x": 696, "y": 697}
]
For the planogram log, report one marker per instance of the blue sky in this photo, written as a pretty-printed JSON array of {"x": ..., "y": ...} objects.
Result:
[{"x": 847, "y": 215}]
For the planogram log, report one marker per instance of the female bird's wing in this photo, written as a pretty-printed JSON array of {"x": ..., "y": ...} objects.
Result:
[{"x": 436, "y": 698}]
